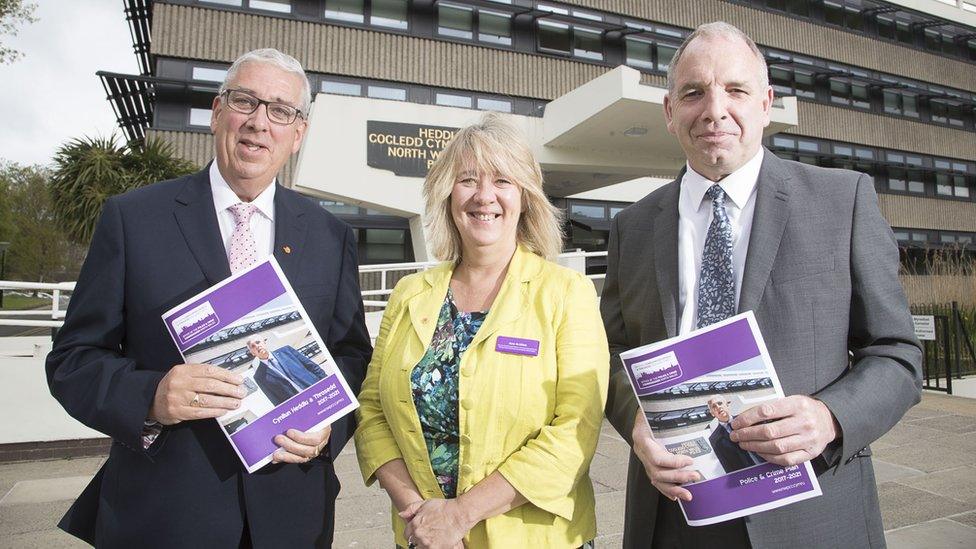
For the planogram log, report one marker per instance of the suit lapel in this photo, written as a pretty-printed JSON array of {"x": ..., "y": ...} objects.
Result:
[
  {"x": 768, "y": 223},
  {"x": 665, "y": 243},
  {"x": 290, "y": 231},
  {"x": 197, "y": 220}
]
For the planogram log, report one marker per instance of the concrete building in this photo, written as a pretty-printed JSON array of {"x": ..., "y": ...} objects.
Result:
[{"x": 887, "y": 88}]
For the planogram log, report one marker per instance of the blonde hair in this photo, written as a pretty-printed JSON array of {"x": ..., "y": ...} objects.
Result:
[{"x": 492, "y": 146}]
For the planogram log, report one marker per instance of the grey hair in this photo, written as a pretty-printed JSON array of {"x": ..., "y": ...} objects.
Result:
[
  {"x": 280, "y": 60},
  {"x": 723, "y": 30}
]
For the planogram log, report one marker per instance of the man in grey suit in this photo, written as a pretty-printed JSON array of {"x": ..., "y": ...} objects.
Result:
[{"x": 803, "y": 247}]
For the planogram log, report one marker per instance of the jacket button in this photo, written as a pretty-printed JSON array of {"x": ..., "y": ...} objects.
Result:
[
  {"x": 466, "y": 403},
  {"x": 466, "y": 469},
  {"x": 465, "y": 439},
  {"x": 466, "y": 372}
]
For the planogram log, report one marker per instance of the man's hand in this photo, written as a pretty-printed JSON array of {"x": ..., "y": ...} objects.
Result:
[
  {"x": 196, "y": 391},
  {"x": 786, "y": 431},
  {"x": 662, "y": 467},
  {"x": 436, "y": 524},
  {"x": 299, "y": 447}
]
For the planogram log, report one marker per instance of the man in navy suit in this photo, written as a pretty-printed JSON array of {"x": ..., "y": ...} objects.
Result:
[
  {"x": 729, "y": 454},
  {"x": 283, "y": 373},
  {"x": 172, "y": 479}
]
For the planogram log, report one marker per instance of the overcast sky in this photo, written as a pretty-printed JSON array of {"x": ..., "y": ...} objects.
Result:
[{"x": 51, "y": 94}]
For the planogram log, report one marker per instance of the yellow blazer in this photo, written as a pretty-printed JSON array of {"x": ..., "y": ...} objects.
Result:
[{"x": 535, "y": 419}]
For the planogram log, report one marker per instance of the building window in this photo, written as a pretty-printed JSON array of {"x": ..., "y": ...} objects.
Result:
[
  {"x": 903, "y": 103},
  {"x": 471, "y": 23},
  {"x": 386, "y": 92},
  {"x": 495, "y": 27},
  {"x": 578, "y": 41},
  {"x": 843, "y": 15},
  {"x": 381, "y": 13},
  {"x": 789, "y": 77},
  {"x": 453, "y": 100},
  {"x": 280, "y": 6},
  {"x": 341, "y": 88},
  {"x": 587, "y": 43},
  {"x": 588, "y": 211},
  {"x": 947, "y": 113},
  {"x": 640, "y": 53},
  {"x": 500, "y": 105},
  {"x": 383, "y": 245},
  {"x": 338, "y": 208},
  {"x": 352, "y": 11},
  {"x": 555, "y": 37},
  {"x": 854, "y": 94},
  {"x": 208, "y": 74},
  {"x": 389, "y": 13},
  {"x": 455, "y": 21},
  {"x": 200, "y": 117}
]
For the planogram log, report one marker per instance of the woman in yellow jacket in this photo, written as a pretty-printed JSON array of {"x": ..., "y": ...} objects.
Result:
[{"x": 482, "y": 406}]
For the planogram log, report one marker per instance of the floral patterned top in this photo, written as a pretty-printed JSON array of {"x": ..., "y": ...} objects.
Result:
[{"x": 434, "y": 382}]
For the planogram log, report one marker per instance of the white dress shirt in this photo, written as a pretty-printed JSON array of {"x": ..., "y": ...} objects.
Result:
[
  {"x": 694, "y": 217},
  {"x": 262, "y": 222}
]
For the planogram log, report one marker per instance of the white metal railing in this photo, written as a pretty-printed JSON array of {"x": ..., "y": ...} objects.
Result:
[
  {"x": 576, "y": 260},
  {"x": 55, "y": 312}
]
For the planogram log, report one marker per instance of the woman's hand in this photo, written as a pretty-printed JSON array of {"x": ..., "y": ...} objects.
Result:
[{"x": 436, "y": 524}]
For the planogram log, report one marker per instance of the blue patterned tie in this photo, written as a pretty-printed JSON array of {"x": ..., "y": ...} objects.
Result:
[{"x": 716, "y": 283}]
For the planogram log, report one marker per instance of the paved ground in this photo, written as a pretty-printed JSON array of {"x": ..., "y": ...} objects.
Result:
[{"x": 926, "y": 468}]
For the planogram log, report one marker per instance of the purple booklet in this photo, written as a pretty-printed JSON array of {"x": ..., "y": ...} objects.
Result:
[
  {"x": 253, "y": 324},
  {"x": 691, "y": 387}
]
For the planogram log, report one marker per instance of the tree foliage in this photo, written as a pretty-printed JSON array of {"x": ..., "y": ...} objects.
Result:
[
  {"x": 39, "y": 250},
  {"x": 12, "y": 14},
  {"x": 89, "y": 170}
]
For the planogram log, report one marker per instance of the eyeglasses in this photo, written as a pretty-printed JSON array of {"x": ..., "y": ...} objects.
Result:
[{"x": 245, "y": 103}]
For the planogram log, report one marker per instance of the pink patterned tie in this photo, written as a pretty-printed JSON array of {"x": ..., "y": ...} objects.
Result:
[{"x": 243, "y": 250}]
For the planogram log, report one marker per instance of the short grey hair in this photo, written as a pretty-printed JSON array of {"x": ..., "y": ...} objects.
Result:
[
  {"x": 274, "y": 57},
  {"x": 719, "y": 29}
]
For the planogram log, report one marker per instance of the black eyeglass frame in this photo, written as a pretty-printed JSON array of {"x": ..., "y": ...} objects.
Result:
[{"x": 267, "y": 106}]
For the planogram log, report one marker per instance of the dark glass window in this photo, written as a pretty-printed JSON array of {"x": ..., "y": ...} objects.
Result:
[
  {"x": 588, "y": 211},
  {"x": 346, "y": 10},
  {"x": 455, "y": 21},
  {"x": 555, "y": 37},
  {"x": 389, "y": 13},
  {"x": 640, "y": 53},
  {"x": 587, "y": 43},
  {"x": 495, "y": 27},
  {"x": 280, "y": 6}
]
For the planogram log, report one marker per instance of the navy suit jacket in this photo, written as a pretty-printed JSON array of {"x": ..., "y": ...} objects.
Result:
[
  {"x": 153, "y": 248},
  {"x": 301, "y": 372},
  {"x": 728, "y": 453}
]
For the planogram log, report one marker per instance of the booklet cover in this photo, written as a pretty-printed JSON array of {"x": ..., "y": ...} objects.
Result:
[
  {"x": 253, "y": 324},
  {"x": 690, "y": 387}
]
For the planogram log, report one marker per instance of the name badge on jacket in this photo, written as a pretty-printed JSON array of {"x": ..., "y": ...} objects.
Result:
[{"x": 517, "y": 346}]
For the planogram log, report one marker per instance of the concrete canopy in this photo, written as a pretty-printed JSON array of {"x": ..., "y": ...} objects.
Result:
[{"x": 608, "y": 134}]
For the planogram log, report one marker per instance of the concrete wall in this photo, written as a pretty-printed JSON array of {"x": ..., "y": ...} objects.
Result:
[{"x": 28, "y": 410}]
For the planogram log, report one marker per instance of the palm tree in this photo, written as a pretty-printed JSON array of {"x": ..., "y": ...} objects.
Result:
[{"x": 89, "y": 170}]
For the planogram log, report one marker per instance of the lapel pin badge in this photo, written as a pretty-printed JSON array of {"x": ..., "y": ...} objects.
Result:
[{"x": 286, "y": 249}]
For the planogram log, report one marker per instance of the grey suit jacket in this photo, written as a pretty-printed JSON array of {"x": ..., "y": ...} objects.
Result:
[{"x": 821, "y": 277}]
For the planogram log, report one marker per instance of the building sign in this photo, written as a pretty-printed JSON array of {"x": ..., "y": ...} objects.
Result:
[
  {"x": 924, "y": 327},
  {"x": 407, "y": 150}
]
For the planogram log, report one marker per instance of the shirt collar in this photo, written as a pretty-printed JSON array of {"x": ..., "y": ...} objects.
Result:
[
  {"x": 738, "y": 185},
  {"x": 224, "y": 197}
]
